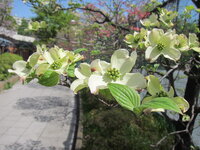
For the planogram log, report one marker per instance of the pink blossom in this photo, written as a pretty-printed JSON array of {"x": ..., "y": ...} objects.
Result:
[{"x": 135, "y": 28}]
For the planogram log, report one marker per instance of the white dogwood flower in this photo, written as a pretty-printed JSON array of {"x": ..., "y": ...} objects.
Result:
[
  {"x": 116, "y": 72},
  {"x": 161, "y": 43}
]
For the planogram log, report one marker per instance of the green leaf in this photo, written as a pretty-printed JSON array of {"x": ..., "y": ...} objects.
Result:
[
  {"x": 189, "y": 8},
  {"x": 30, "y": 77},
  {"x": 105, "y": 94},
  {"x": 197, "y": 10},
  {"x": 125, "y": 96},
  {"x": 70, "y": 70},
  {"x": 80, "y": 50},
  {"x": 147, "y": 99},
  {"x": 49, "y": 78},
  {"x": 95, "y": 52},
  {"x": 162, "y": 102}
]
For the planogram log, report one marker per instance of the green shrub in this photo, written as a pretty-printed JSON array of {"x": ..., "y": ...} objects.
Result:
[
  {"x": 109, "y": 128},
  {"x": 8, "y": 85},
  {"x": 6, "y": 62}
]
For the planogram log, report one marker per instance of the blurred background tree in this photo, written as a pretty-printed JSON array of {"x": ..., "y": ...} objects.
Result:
[{"x": 6, "y": 20}]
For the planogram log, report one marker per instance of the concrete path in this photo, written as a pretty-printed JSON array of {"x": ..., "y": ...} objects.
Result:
[{"x": 34, "y": 117}]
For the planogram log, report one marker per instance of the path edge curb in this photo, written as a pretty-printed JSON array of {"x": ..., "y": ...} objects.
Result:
[{"x": 78, "y": 135}]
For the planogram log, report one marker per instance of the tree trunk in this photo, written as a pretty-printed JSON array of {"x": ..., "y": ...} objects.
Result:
[{"x": 191, "y": 95}]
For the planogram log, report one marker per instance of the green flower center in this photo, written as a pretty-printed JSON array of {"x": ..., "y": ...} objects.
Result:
[
  {"x": 56, "y": 65},
  {"x": 192, "y": 45},
  {"x": 161, "y": 94},
  {"x": 113, "y": 73},
  {"x": 136, "y": 39},
  {"x": 178, "y": 45},
  {"x": 160, "y": 46}
]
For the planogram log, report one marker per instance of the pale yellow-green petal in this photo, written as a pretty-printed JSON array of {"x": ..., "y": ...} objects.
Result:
[
  {"x": 153, "y": 85},
  {"x": 78, "y": 85},
  {"x": 99, "y": 66},
  {"x": 62, "y": 53},
  {"x": 133, "y": 80},
  {"x": 167, "y": 40},
  {"x": 42, "y": 68},
  {"x": 96, "y": 82},
  {"x": 19, "y": 65},
  {"x": 171, "y": 53},
  {"x": 154, "y": 36},
  {"x": 182, "y": 103},
  {"x": 54, "y": 53},
  {"x": 33, "y": 59},
  {"x": 41, "y": 48},
  {"x": 151, "y": 54},
  {"x": 129, "y": 38},
  {"x": 193, "y": 40},
  {"x": 104, "y": 66},
  {"x": 171, "y": 92},
  {"x": 182, "y": 42},
  {"x": 122, "y": 61},
  {"x": 19, "y": 68},
  {"x": 197, "y": 49},
  {"x": 48, "y": 58},
  {"x": 151, "y": 21},
  {"x": 84, "y": 71},
  {"x": 154, "y": 110}
]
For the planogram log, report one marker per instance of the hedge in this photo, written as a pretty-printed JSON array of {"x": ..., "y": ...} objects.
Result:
[{"x": 6, "y": 62}]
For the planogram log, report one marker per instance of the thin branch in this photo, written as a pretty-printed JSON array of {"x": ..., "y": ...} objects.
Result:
[
  {"x": 107, "y": 104},
  {"x": 186, "y": 130},
  {"x": 171, "y": 70},
  {"x": 172, "y": 133},
  {"x": 105, "y": 20}
]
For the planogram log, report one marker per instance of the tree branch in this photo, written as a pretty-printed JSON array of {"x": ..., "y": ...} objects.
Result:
[
  {"x": 186, "y": 130},
  {"x": 171, "y": 70},
  {"x": 105, "y": 20},
  {"x": 196, "y": 3}
]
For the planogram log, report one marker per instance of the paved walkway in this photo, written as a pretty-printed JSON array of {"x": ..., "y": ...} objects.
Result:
[{"x": 33, "y": 117}]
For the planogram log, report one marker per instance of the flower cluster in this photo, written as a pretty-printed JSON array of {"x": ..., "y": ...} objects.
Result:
[
  {"x": 37, "y": 25},
  {"x": 47, "y": 65},
  {"x": 165, "y": 19},
  {"x": 155, "y": 89},
  {"x": 158, "y": 42},
  {"x": 45, "y": 61},
  {"x": 99, "y": 73}
]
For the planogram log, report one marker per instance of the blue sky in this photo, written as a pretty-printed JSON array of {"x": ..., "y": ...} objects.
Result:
[{"x": 22, "y": 10}]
